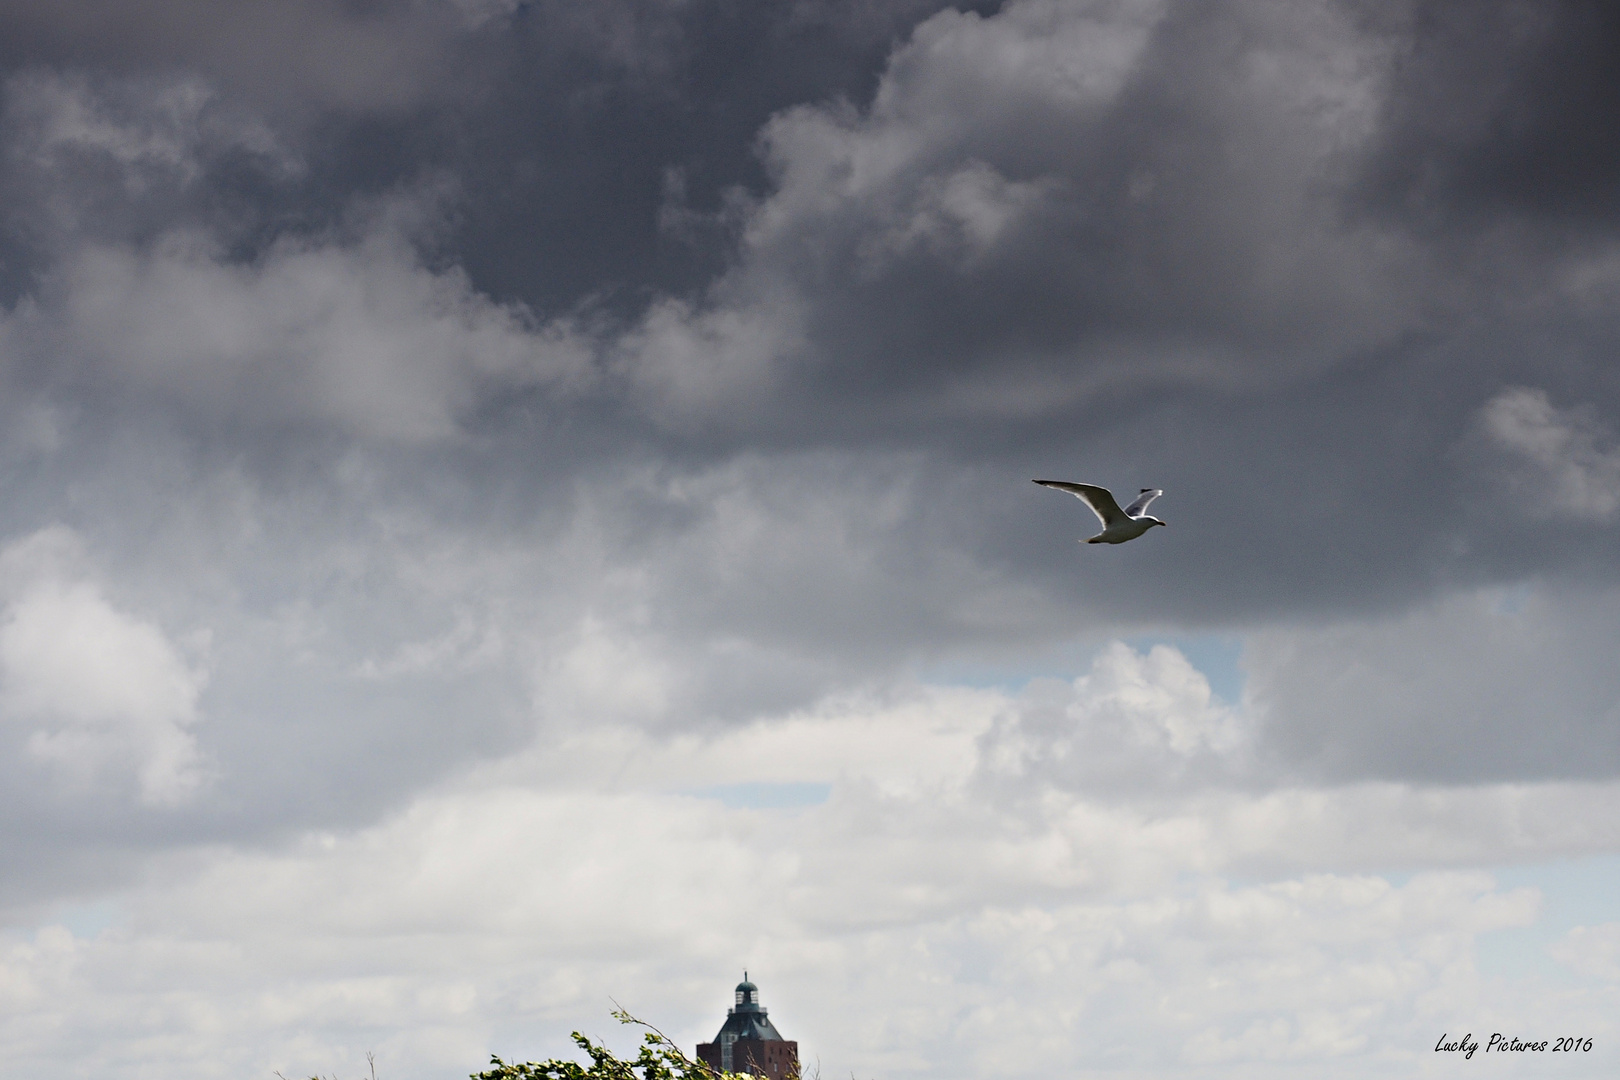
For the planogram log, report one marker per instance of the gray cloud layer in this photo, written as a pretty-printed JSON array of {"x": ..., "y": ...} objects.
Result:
[{"x": 478, "y": 372}]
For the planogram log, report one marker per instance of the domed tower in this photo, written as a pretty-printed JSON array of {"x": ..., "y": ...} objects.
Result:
[{"x": 749, "y": 1043}]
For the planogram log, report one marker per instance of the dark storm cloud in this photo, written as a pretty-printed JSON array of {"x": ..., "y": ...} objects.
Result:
[
  {"x": 675, "y": 365},
  {"x": 594, "y": 124},
  {"x": 307, "y": 53},
  {"x": 1063, "y": 200},
  {"x": 1158, "y": 276},
  {"x": 1503, "y": 112},
  {"x": 445, "y": 443},
  {"x": 565, "y": 124}
]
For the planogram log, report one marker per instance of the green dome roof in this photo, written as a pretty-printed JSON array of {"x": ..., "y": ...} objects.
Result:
[{"x": 748, "y": 1020}]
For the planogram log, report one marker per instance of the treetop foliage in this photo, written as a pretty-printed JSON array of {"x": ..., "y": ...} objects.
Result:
[{"x": 660, "y": 1059}]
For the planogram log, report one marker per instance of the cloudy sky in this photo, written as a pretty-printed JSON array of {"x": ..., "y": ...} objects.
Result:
[{"x": 508, "y": 506}]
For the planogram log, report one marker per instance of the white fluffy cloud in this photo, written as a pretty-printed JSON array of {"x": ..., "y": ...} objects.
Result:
[
  {"x": 105, "y": 695},
  {"x": 1594, "y": 950},
  {"x": 1137, "y": 721},
  {"x": 916, "y": 923}
]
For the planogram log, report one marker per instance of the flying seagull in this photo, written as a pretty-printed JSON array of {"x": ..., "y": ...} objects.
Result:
[{"x": 1118, "y": 525}]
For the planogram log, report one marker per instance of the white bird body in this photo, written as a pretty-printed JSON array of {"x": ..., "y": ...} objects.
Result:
[{"x": 1118, "y": 525}]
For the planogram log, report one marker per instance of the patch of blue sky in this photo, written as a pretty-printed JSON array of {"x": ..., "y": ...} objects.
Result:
[
  {"x": 793, "y": 795},
  {"x": 1512, "y": 600},
  {"x": 88, "y": 920},
  {"x": 1217, "y": 656},
  {"x": 1574, "y": 892}
]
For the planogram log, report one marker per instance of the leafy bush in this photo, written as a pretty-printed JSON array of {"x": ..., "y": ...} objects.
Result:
[{"x": 660, "y": 1059}]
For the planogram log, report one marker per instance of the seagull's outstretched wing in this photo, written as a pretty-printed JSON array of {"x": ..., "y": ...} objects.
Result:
[
  {"x": 1139, "y": 507},
  {"x": 1100, "y": 499}
]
